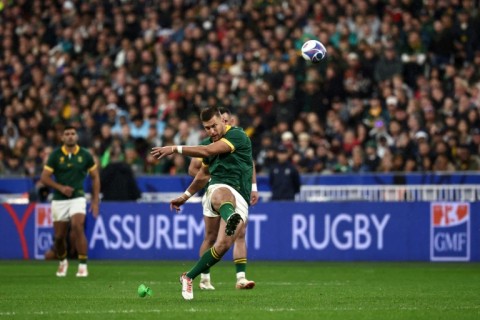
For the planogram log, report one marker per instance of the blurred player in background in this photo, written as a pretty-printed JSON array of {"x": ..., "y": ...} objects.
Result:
[
  {"x": 228, "y": 168},
  {"x": 212, "y": 223},
  {"x": 70, "y": 165}
]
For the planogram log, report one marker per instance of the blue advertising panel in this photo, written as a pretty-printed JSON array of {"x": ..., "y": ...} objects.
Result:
[{"x": 350, "y": 231}]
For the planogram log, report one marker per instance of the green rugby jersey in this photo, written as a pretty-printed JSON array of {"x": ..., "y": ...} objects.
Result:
[
  {"x": 70, "y": 170},
  {"x": 234, "y": 168}
]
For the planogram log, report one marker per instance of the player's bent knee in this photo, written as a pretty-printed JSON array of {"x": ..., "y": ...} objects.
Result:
[
  {"x": 241, "y": 231},
  {"x": 222, "y": 195}
]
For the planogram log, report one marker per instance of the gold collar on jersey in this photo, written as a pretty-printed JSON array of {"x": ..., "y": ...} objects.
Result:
[{"x": 65, "y": 152}]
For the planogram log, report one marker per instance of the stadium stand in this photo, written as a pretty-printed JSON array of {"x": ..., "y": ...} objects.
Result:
[{"x": 398, "y": 92}]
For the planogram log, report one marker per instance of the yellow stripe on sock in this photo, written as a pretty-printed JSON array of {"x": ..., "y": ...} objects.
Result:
[
  {"x": 239, "y": 261},
  {"x": 82, "y": 257},
  {"x": 214, "y": 253},
  {"x": 227, "y": 202},
  {"x": 63, "y": 256}
]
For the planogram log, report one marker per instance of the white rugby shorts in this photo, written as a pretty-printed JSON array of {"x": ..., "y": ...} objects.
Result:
[
  {"x": 240, "y": 208},
  {"x": 63, "y": 210}
]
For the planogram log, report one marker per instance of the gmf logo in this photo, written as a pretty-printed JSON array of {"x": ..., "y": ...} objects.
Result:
[
  {"x": 43, "y": 229},
  {"x": 450, "y": 231}
]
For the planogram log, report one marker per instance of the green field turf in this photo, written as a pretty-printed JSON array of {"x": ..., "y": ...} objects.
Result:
[{"x": 285, "y": 290}]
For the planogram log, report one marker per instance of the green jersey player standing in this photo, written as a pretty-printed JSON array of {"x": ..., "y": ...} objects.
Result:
[
  {"x": 70, "y": 165},
  {"x": 228, "y": 167}
]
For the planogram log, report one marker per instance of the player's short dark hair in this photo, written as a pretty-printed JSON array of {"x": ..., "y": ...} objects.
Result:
[
  {"x": 69, "y": 127},
  {"x": 208, "y": 113},
  {"x": 223, "y": 110}
]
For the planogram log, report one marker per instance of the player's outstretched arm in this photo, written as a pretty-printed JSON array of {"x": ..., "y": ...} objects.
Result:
[{"x": 218, "y": 147}]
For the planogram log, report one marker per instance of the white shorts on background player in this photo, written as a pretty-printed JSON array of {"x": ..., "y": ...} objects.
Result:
[
  {"x": 241, "y": 206},
  {"x": 63, "y": 210}
]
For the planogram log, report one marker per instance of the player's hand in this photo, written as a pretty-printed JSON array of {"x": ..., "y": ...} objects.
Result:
[
  {"x": 254, "y": 198},
  {"x": 161, "y": 152},
  {"x": 177, "y": 203},
  {"x": 67, "y": 191},
  {"x": 94, "y": 208}
]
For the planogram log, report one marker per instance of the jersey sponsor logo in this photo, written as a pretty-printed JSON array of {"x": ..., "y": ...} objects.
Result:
[
  {"x": 43, "y": 230},
  {"x": 450, "y": 231},
  {"x": 80, "y": 159}
]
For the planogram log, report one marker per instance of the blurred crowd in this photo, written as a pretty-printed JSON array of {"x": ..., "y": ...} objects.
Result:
[{"x": 399, "y": 90}]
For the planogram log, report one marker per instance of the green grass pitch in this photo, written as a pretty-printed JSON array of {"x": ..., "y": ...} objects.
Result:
[{"x": 285, "y": 290}]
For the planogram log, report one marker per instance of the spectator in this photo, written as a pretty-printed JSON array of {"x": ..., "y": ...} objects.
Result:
[
  {"x": 357, "y": 80},
  {"x": 342, "y": 166},
  {"x": 113, "y": 153},
  {"x": 475, "y": 143},
  {"x": 13, "y": 166},
  {"x": 442, "y": 163},
  {"x": 133, "y": 159},
  {"x": 372, "y": 160},
  {"x": 139, "y": 127},
  {"x": 441, "y": 45},
  {"x": 388, "y": 66},
  {"x": 118, "y": 182},
  {"x": 284, "y": 108},
  {"x": 466, "y": 161},
  {"x": 186, "y": 135},
  {"x": 142, "y": 61},
  {"x": 11, "y": 134},
  {"x": 358, "y": 160},
  {"x": 284, "y": 178},
  {"x": 413, "y": 57},
  {"x": 266, "y": 154},
  {"x": 2, "y": 161}
]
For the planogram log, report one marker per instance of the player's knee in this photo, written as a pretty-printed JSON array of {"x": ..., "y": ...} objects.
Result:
[
  {"x": 240, "y": 239},
  {"x": 77, "y": 228},
  {"x": 241, "y": 232},
  {"x": 222, "y": 195}
]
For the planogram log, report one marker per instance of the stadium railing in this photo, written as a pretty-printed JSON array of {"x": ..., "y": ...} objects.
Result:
[{"x": 395, "y": 193}]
